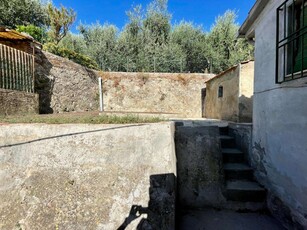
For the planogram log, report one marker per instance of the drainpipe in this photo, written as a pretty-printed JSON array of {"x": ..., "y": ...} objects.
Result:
[{"x": 100, "y": 94}]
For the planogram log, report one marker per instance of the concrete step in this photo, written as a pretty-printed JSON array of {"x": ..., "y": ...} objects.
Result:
[
  {"x": 224, "y": 130},
  {"x": 238, "y": 171},
  {"x": 227, "y": 141},
  {"x": 232, "y": 155},
  {"x": 245, "y": 191},
  {"x": 246, "y": 206}
]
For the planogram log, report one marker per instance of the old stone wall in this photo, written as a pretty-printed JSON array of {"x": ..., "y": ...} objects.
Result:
[
  {"x": 66, "y": 86},
  {"x": 87, "y": 176},
  {"x": 17, "y": 102},
  {"x": 178, "y": 94}
]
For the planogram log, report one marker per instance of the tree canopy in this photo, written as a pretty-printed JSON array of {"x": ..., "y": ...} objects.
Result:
[
  {"x": 148, "y": 42},
  {"x": 22, "y": 12},
  {"x": 60, "y": 22}
]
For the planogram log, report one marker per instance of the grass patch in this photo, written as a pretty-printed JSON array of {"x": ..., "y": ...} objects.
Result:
[{"x": 74, "y": 118}]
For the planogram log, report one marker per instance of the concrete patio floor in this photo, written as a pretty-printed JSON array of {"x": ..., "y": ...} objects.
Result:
[{"x": 211, "y": 219}]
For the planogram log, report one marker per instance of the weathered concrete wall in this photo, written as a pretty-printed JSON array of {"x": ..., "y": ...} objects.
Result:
[
  {"x": 87, "y": 176},
  {"x": 64, "y": 86},
  {"x": 280, "y": 128},
  {"x": 17, "y": 102},
  {"x": 236, "y": 103},
  {"x": 178, "y": 94},
  {"x": 200, "y": 174},
  {"x": 242, "y": 132},
  {"x": 246, "y": 91},
  {"x": 226, "y": 107}
]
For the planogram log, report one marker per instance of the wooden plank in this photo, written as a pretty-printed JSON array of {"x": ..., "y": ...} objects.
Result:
[
  {"x": 13, "y": 68},
  {"x": 25, "y": 72},
  {"x": 22, "y": 72},
  {"x": 1, "y": 67},
  {"x": 33, "y": 71},
  {"x": 19, "y": 70},
  {"x": 29, "y": 78},
  {"x": 6, "y": 74},
  {"x": 9, "y": 68},
  {"x": 16, "y": 68}
]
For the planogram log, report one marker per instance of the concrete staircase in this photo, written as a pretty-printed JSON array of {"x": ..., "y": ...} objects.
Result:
[{"x": 239, "y": 180}]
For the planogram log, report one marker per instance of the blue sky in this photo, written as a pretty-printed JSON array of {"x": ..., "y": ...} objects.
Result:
[{"x": 201, "y": 12}]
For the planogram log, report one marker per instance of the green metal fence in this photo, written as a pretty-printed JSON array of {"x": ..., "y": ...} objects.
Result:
[{"x": 16, "y": 69}]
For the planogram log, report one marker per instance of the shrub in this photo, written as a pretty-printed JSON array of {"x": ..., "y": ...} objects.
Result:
[
  {"x": 36, "y": 32},
  {"x": 71, "y": 55}
]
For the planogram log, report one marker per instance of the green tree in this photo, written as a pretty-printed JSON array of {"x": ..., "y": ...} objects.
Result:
[
  {"x": 60, "y": 21},
  {"x": 74, "y": 42},
  {"x": 154, "y": 39},
  {"x": 223, "y": 48},
  {"x": 101, "y": 44},
  {"x": 129, "y": 41},
  {"x": 22, "y": 12},
  {"x": 191, "y": 39},
  {"x": 157, "y": 24}
]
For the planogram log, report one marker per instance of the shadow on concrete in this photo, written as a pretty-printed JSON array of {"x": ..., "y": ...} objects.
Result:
[
  {"x": 68, "y": 134},
  {"x": 161, "y": 206}
]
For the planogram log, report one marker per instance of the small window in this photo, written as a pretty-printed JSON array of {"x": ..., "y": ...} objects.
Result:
[
  {"x": 220, "y": 92},
  {"x": 291, "y": 50}
]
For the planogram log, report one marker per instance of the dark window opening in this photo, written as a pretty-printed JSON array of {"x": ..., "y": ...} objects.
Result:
[
  {"x": 220, "y": 92},
  {"x": 291, "y": 40}
]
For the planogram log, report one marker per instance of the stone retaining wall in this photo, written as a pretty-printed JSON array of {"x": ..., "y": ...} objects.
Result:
[
  {"x": 65, "y": 86},
  {"x": 177, "y": 94},
  {"x": 17, "y": 102}
]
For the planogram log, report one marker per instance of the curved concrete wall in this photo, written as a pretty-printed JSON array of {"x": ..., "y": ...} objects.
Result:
[{"x": 87, "y": 176}]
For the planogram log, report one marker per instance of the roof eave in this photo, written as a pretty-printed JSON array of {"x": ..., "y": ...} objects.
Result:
[{"x": 245, "y": 30}]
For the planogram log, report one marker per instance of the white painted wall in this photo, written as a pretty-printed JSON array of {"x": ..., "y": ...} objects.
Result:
[{"x": 280, "y": 122}]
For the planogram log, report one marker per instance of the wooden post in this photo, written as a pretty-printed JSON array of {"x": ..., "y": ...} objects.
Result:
[
  {"x": 33, "y": 70},
  {"x": 6, "y": 74},
  {"x": 13, "y": 68},
  {"x": 16, "y": 69},
  {"x": 22, "y": 72},
  {"x": 10, "y": 69},
  {"x": 28, "y": 72},
  {"x": 1, "y": 67},
  {"x": 19, "y": 70}
]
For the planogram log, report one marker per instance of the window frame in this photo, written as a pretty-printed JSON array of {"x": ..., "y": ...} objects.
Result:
[
  {"x": 286, "y": 36},
  {"x": 220, "y": 92}
]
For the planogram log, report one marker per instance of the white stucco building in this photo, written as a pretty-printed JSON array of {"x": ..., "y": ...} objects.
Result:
[{"x": 279, "y": 30}]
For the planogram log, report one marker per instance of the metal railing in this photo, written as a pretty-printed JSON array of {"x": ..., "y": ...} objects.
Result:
[
  {"x": 291, "y": 33},
  {"x": 16, "y": 69}
]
